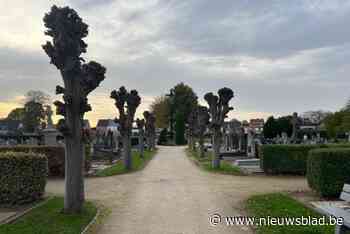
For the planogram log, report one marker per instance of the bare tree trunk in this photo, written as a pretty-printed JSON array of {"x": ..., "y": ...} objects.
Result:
[
  {"x": 201, "y": 147},
  {"x": 153, "y": 141},
  {"x": 190, "y": 142},
  {"x": 141, "y": 145},
  {"x": 193, "y": 143},
  {"x": 127, "y": 152},
  {"x": 74, "y": 180},
  {"x": 216, "y": 148}
]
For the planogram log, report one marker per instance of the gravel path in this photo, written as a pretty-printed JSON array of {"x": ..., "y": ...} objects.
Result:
[{"x": 172, "y": 195}]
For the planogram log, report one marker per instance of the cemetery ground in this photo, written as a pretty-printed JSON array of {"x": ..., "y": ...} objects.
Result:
[{"x": 172, "y": 195}]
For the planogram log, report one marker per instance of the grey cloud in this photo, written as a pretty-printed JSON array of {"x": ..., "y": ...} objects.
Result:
[
  {"x": 86, "y": 4},
  {"x": 139, "y": 48},
  {"x": 257, "y": 28},
  {"x": 21, "y": 71}
]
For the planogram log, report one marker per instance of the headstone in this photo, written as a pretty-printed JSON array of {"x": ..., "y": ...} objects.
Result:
[
  {"x": 250, "y": 144},
  {"x": 50, "y": 132},
  {"x": 284, "y": 138},
  {"x": 305, "y": 139}
]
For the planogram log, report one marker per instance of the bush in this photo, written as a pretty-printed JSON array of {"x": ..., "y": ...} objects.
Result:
[
  {"x": 22, "y": 177},
  {"x": 285, "y": 159},
  {"x": 328, "y": 170},
  {"x": 288, "y": 159},
  {"x": 54, "y": 154}
]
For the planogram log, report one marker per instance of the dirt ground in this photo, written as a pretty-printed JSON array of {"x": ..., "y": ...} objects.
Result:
[{"x": 172, "y": 195}]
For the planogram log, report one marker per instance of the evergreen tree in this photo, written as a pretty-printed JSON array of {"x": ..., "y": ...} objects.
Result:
[{"x": 180, "y": 128}]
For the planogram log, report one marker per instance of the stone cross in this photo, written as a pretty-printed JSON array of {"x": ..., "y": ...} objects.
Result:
[{"x": 49, "y": 114}]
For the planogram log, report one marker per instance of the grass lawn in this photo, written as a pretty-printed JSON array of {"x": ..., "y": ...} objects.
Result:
[
  {"x": 281, "y": 205},
  {"x": 137, "y": 164},
  {"x": 48, "y": 219},
  {"x": 205, "y": 163}
]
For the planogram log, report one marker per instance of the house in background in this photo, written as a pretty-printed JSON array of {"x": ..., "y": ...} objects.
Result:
[{"x": 10, "y": 127}]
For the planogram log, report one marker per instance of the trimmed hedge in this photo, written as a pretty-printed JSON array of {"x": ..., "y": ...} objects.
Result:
[
  {"x": 285, "y": 159},
  {"x": 54, "y": 154},
  {"x": 22, "y": 177},
  {"x": 288, "y": 159},
  {"x": 328, "y": 170}
]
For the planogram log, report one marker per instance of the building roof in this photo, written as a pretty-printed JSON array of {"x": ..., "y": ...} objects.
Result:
[{"x": 10, "y": 125}]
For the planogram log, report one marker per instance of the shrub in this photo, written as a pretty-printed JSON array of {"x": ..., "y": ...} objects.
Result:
[
  {"x": 54, "y": 154},
  {"x": 22, "y": 177},
  {"x": 285, "y": 159},
  {"x": 328, "y": 170},
  {"x": 288, "y": 159}
]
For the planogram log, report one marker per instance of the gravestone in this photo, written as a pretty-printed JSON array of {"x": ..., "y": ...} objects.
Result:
[
  {"x": 284, "y": 138},
  {"x": 250, "y": 144},
  {"x": 50, "y": 133}
]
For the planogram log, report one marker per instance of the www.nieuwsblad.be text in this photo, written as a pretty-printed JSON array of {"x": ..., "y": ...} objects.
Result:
[{"x": 216, "y": 219}]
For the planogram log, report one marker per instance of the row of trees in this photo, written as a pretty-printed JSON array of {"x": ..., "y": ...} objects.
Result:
[
  {"x": 80, "y": 78},
  {"x": 201, "y": 118},
  {"x": 181, "y": 105},
  {"x": 172, "y": 110}
]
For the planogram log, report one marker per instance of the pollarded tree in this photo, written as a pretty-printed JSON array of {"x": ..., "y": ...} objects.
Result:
[
  {"x": 140, "y": 126},
  {"x": 150, "y": 129},
  {"x": 202, "y": 124},
  {"x": 218, "y": 110},
  {"x": 67, "y": 31},
  {"x": 126, "y": 103}
]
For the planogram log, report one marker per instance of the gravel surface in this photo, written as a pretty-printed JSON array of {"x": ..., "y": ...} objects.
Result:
[{"x": 172, "y": 195}]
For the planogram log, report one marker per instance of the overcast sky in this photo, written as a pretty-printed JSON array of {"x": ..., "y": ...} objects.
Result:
[{"x": 277, "y": 56}]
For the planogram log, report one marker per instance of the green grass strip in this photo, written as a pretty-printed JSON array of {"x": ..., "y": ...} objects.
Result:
[
  {"x": 48, "y": 219},
  {"x": 206, "y": 163},
  {"x": 282, "y": 205},
  {"x": 137, "y": 164}
]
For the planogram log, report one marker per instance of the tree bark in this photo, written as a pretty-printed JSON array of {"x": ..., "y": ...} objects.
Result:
[
  {"x": 216, "y": 148},
  {"x": 201, "y": 147},
  {"x": 74, "y": 180},
  {"x": 141, "y": 145},
  {"x": 127, "y": 152}
]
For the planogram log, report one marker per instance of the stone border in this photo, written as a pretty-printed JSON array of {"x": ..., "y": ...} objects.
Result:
[
  {"x": 92, "y": 222},
  {"x": 18, "y": 215}
]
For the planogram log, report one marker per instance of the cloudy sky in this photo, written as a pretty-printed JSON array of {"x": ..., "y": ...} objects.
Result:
[{"x": 277, "y": 56}]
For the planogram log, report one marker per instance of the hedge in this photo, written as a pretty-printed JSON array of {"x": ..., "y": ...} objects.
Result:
[
  {"x": 288, "y": 159},
  {"x": 285, "y": 159},
  {"x": 328, "y": 170},
  {"x": 22, "y": 177},
  {"x": 54, "y": 154}
]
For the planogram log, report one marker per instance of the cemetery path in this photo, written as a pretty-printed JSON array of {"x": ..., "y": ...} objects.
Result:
[{"x": 172, "y": 195}]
